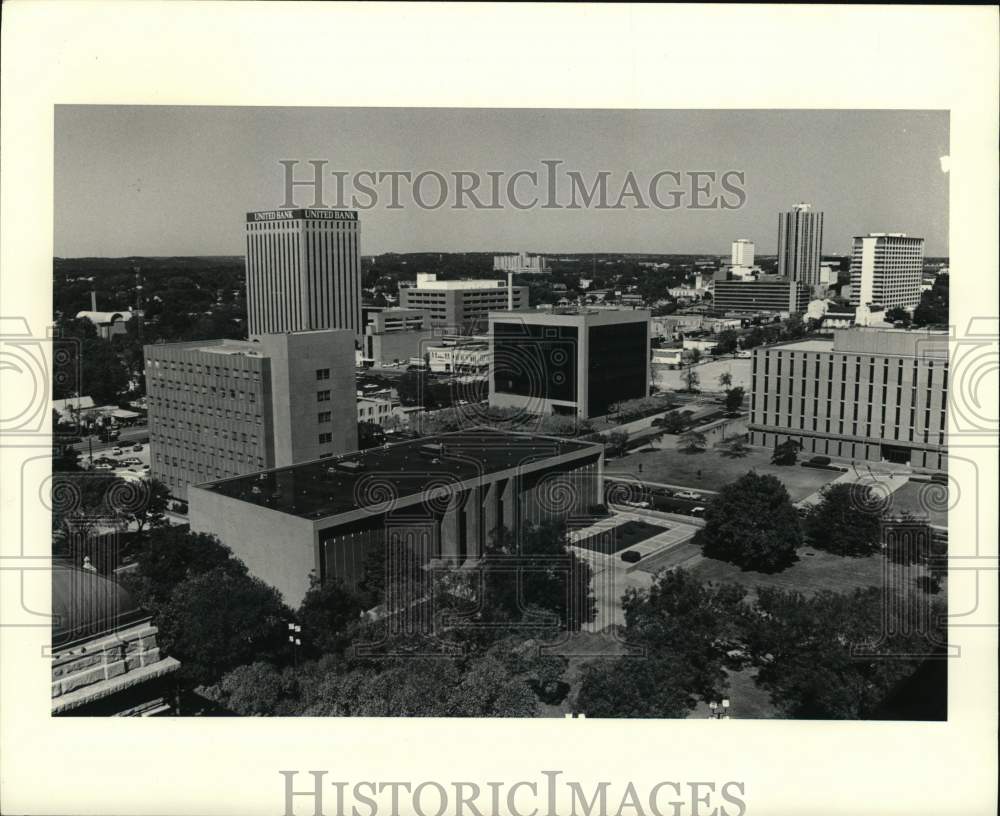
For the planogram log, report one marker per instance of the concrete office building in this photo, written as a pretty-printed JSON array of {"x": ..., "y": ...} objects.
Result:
[
  {"x": 800, "y": 244},
  {"x": 767, "y": 294},
  {"x": 303, "y": 271},
  {"x": 578, "y": 362},
  {"x": 395, "y": 336},
  {"x": 868, "y": 394},
  {"x": 460, "y": 304},
  {"x": 886, "y": 270},
  {"x": 444, "y": 497},
  {"x": 226, "y": 407}
]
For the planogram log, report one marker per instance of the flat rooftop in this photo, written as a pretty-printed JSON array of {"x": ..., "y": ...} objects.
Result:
[{"x": 328, "y": 487}]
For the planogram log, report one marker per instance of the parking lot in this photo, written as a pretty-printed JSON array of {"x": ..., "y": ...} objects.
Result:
[{"x": 121, "y": 464}]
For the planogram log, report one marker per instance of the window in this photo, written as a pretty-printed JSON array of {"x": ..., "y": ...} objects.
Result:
[
  {"x": 325, "y": 438},
  {"x": 322, "y": 396},
  {"x": 322, "y": 373},
  {"x": 324, "y": 416}
]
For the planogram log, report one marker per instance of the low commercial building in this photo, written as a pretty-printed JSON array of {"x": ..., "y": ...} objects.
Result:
[
  {"x": 394, "y": 336},
  {"x": 575, "y": 363},
  {"x": 769, "y": 294},
  {"x": 444, "y": 497},
  {"x": 107, "y": 324},
  {"x": 460, "y": 355},
  {"x": 867, "y": 394},
  {"x": 456, "y": 305},
  {"x": 226, "y": 407}
]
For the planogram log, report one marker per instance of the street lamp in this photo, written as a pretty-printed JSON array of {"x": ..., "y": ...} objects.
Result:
[
  {"x": 719, "y": 711},
  {"x": 294, "y": 630}
]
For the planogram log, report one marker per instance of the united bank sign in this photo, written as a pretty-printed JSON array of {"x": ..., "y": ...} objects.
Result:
[{"x": 302, "y": 215}]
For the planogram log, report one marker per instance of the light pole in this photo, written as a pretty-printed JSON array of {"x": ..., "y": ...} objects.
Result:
[
  {"x": 719, "y": 711},
  {"x": 294, "y": 630}
]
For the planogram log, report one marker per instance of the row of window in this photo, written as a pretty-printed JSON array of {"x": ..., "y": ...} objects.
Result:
[
  {"x": 206, "y": 390},
  {"x": 219, "y": 454},
  {"x": 199, "y": 368}
]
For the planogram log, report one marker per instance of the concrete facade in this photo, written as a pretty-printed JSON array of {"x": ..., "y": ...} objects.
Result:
[
  {"x": 800, "y": 244},
  {"x": 303, "y": 271},
  {"x": 222, "y": 408},
  {"x": 869, "y": 394},
  {"x": 766, "y": 294},
  {"x": 460, "y": 304},
  {"x": 886, "y": 270},
  {"x": 445, "y": 497}
]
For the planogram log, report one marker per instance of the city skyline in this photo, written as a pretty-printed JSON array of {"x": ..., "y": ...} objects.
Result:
[{"x": 120, "y": 169}]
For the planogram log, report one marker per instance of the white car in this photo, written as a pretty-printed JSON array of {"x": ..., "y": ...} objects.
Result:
[
  {"x": 687, "y": 494},
  {"x": 642, "y": 505},
  {"x": 117, "y": 452}
]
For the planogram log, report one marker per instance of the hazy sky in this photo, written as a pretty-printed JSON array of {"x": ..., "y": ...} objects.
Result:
[{"x": 137, "y": 180}]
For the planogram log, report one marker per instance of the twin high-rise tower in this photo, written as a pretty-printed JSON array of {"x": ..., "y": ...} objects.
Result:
[{"x": 303, "y": 271}]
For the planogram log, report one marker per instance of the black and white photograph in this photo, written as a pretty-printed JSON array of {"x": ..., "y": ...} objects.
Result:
[
  {"x": 496, "y": 409},
  {"x": 496, "y": 413}
]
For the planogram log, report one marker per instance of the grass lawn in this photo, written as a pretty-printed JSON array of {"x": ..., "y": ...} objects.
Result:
[
  {"x": 810, "y": 574},
  {"x": 925, "y": 500},
  {"x": 676, "y": 467}
]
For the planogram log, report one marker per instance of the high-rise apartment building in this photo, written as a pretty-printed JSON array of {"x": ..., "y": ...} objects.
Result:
[
  {"x": 303, "y": 271},
  {"x": 576, "y": 363},
  {"x": 222, "y": 408},
  {"x": 460, "y": 304},
  {"x": 886, "y": 270},
  {"x": 800, "y": 244},
  {"x": 868, "y": 394},
  {"x": 743, "y": 250}
]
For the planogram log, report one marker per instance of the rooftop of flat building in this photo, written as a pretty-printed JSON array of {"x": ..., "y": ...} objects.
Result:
[{"x": 377, "y": 477}]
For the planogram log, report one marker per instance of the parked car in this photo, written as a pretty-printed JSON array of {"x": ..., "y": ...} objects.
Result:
[
  {"x": 687, "y": 494},
  {"x": 117, "y": 452},
  {"x": 698, "y": 512},
  {"x": 642, "y": 505},
  {"x": 820, "y": 460},
  {"x": 132, "y": 460},
  {"x": 102, "y": 466},
  {"x": 137, "y": 446}
]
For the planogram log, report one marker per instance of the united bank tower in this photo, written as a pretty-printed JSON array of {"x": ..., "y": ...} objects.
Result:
[{"x": 303, "y": 271}]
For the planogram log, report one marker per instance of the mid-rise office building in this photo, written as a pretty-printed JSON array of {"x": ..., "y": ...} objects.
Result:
[
  {"x": 458, "y": 305},
  {"x": 303, "y": 271},
  {"x": 444, "y": 498},
  {"x": 886, "y": 270},
  {"x": 867, "y": 394},
  {"x": 800, "y": 244},
  {"x": 742, "y": 254},
  {"x": 221, "y": 408},
  {"x": 577, "y": 362},
  {"x": 395, "y": 336},
  {"x": 767, "y": 294}
]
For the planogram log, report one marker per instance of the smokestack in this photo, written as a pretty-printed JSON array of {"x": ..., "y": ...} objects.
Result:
[{"x": 93, "y": 300}]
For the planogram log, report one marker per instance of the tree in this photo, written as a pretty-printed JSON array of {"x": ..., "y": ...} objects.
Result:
[
  {"x": 219, "y": 620},
  {"x": 843, "y": 521},
  {"x": 736, "y": 447},
  {"x": 726, "y": 379},
  {"x": 785, "y": 453},
  {"x": 728, "y": 344},
  {"x": 692, "y": 441},
  {"x": 151, "y": 509},
  {"x": 673, "y": 423},
  {"x": 616, "y": 442},
  {"x": 329, "y": 615},
  {"x": 684, "y": 627},
  {"x": 691, "y": 379},
  {"x": 812, "y": 651},
  {"x": 751, "y": 523},
  {"x": 734, "y": 399},
  {"x": 370, "y": 435},
  {"x": 897, "y": 314},
  {"x": 933, "y": 306},
  {"x": 167, "y": 556}
]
